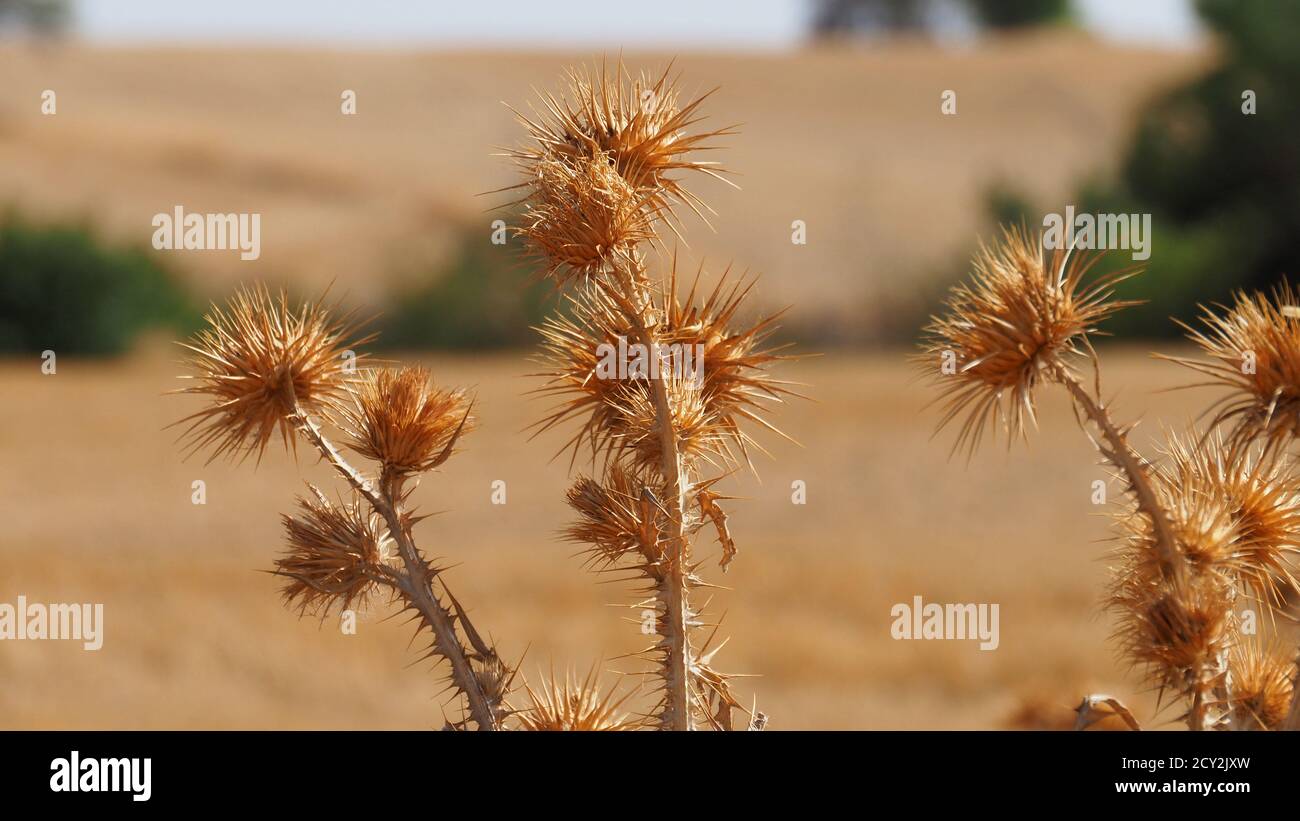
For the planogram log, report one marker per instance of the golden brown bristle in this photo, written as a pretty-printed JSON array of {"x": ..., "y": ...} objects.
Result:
[
  {"x": 1262, "y": 684},
  {"x": 1177, "y": 633},
  {"x": 1252, "y": 496},
  {"x": 711, "y": 406},
  {"x": 616, "y": 520},
  {"x": 635, "y": 126},
  {"x": 580, "y": 214}
]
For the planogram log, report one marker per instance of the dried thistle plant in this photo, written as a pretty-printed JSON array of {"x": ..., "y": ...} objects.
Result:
[
  {"x": 1253, "y": 350},
  {"x": 261, "y": 367},
  {"x": 1213, "y": 525},
  {"x": 602, "y": 176}
]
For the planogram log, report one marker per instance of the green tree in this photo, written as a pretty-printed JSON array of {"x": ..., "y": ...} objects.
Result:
[{"x": 1007, "y": 14}]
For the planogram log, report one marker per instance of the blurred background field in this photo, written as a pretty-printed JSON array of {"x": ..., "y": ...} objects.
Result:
[
  {"x": 840, "y": 128},
  {"x": 98, "y": 509},
  {"x": 851, "y": 141}
]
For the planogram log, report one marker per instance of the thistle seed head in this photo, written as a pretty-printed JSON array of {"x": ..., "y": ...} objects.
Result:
[
  {"x": 637, "y": 424},
  {"x": 618, "y": 518},
  {"x": 399, "y": 419},
  {"x": 716, "y": 376},
  {"x": 1258, "y": 493},
  {"x": 580, "y": 215},
  {"x": 1262, "y": 681},
  {"x": 636, "y": 126},
  {"x": 1177, "y": 633},
  {"x": 575, "y": 706},
  {"x": 1253, "y": 350},
  {"x": 494, "y": 677},
  {"x": 1025, "y": 315},
  {"x": 258, "y": 360},
  {"x": 334, "y": 554}
]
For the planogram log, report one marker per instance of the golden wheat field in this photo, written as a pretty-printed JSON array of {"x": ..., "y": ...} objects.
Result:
[
  {"x": 98, "y": 508},
  {"x": 850, "y": 141}
]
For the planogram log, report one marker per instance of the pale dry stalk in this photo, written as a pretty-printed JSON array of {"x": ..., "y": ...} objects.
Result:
[
  {"x": 1116, "y": 450},
  {"x": 673, "y": 593},
  {"x": 1120, "y": 453}
]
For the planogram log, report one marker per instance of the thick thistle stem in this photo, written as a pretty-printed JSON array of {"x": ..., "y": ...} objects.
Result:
[
  {"x": 673, "y": 591},
  {"x": 677, "y": 705},
  {"x": 1121, "y": 454},
  {"x": 1198, "y": 714}
]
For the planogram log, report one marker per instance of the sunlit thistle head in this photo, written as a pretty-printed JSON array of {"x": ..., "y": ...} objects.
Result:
[
  {"x": 575, "y": 705},
  {"x": 580, "y": 215},
  {"x": 620, "y": 517},
  {"x": 399, "y": 419},
  {"x": 636, "y": 125},
  {"x": 1253, "y": 498},
  {"x": 335, "y": 553},
  {"x": 257, "y": 362},
  {"x": 1253, "y": 350},
  {"x": 716, "y": 375},
  {"x": 1023, "y": 317},
  {"x": 1262, "y": 683},
  {"x": 1176, "y": 633}
]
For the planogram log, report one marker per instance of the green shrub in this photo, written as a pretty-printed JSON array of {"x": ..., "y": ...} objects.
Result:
[
  {"x": 61, "y": 289},
  {"x": 482, "y": 299}
]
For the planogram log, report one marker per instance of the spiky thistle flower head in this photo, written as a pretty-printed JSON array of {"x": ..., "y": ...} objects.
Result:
[
  {"x": 638, "y": 423},
  {"x": 1253, "y": 350},
  {"x": 1025, "y": 314},
  {"x": 575, "y": 705},
  {"x": 619, "y": 517},
  {"x": 1262, "y": 683},
  {"x": 1176, "y": 631},
  {"x": 637, "y": 126},
  {"x": 256, "y": 362},
  {"x": 1248, "y": 501},
  {"x": 335, "y": 554},
  {"x": 401, "y": 420},
  {"x": 494, "y": 676},
  {"x": 581, "y": 215},
  {"x": 717, "y": 375}
]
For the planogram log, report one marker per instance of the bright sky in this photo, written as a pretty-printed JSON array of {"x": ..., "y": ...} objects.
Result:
[{"x": 713, "y": 23}]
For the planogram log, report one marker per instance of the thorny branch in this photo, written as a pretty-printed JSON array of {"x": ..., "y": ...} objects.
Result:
[{"x": 415, "y": 581}]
